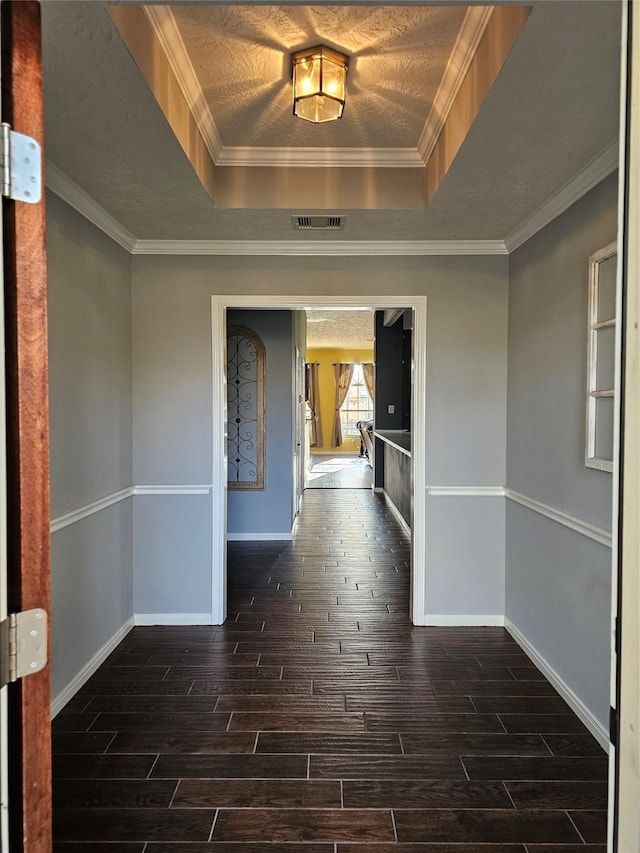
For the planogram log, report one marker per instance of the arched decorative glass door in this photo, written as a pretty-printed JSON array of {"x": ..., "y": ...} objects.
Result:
[{"x": 245, "y": 409}]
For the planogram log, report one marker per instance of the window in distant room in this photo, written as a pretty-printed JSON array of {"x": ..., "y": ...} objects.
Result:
[{"x": 358, "y": 405}]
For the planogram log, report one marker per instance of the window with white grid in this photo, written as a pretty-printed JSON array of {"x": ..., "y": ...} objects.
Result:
[{"x": 358, "y": 405}]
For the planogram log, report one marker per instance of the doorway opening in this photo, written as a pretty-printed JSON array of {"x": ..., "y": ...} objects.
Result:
[
  {"x": 415, "y": 467},
  {"x": 340, "y": 392}
]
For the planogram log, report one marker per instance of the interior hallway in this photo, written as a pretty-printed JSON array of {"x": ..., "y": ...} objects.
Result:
[{"x": 318, "y": 720}]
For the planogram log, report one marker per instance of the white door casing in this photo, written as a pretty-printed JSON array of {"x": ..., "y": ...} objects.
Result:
[
  {"x": 4, "y": 768},
  {"x": 219, "y": 306},
  {"x": 298, "y": 432},
  {"x": 624, "y": 790}
]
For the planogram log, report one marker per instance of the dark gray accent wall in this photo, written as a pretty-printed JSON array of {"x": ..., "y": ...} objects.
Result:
[
  {"x": 407, "y": 357},
  {"x": 558, "y": 582},
  {"x": 270, "y": 510},
  {"x": 388, "y": 353},
  {"x": 91, "y": 446},
  {"x": 397, "y": 480}
]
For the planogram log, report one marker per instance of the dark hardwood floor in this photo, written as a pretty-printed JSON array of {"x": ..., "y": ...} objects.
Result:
[{"x": 318, "y": 720}]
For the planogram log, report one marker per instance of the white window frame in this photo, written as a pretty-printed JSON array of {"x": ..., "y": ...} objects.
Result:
[
  {"x": 593, "y": 392},
  {"x": 343, "y": 410}
]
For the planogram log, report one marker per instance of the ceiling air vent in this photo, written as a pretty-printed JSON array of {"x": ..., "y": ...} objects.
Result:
[{"x": 317, "y": 223}]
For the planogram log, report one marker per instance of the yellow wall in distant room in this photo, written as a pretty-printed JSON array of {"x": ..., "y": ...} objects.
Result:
[{"x": 326, "y": 358}]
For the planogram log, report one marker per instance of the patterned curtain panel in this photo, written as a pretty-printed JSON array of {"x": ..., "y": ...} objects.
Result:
[
  {"x": 245, "y": 409},
  {"x": 344, "y": 375},
  {"x": 368, "y": 371},
  {"x": 313, "y": 391}
]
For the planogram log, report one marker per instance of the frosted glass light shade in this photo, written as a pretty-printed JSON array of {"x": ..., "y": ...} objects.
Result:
[{"x": 319, "y": 84}]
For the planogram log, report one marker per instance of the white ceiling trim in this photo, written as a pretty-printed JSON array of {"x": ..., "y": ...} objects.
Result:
[
  {"x": 324, "y": 248},
  {"x": 398, "y": 158},
  {"x": 471, "y": 31},
  {"x": 166, "y": 30},
  {"x": 164, "y": 25},
  {"x": 594, "y": 172},
  {"x": 77, "y": 198},
  {"x": 597, "y": 170}
]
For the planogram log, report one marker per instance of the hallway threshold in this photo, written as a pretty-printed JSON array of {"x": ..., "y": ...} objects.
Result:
[
  {"x": 318, "y": 719},
  {"x": 342, "y": 471}
]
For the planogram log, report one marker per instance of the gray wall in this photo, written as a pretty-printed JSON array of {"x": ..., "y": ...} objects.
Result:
[
  {"x": 558, "y": 582},
  {"x": 270, "y": 510},
  {"x": 91, "y": 450},
  {"x": 466, "y": 395}
]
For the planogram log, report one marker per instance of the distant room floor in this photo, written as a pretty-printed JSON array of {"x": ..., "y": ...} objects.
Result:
[{"x": 341, "y": 471}]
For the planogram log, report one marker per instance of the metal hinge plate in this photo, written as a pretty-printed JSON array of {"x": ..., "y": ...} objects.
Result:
[
  {"x": 613, "y": 726},
  {"x": 21, "y": 166},
  {"x": 23, "y": 647}
]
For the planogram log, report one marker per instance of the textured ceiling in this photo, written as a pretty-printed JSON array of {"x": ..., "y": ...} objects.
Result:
[
  {"x": 552, "y": 109},
  {"x": 352, "y": 329},
  {"x": 241, "y": 56}
]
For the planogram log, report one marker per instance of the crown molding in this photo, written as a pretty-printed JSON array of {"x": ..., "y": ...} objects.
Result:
[
  {"x": 597, "y": 170},
  {"x": 77, "y": 198},
  {"x": 381, "y": 158},
  {"x": 317, "y": 248},
  {"x": 464, "y": 50},
  {"x": 163, "y": 24}
]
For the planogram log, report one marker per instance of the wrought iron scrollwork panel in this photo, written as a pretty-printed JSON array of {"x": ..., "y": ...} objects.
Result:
[{"x": 245, "y": 409}]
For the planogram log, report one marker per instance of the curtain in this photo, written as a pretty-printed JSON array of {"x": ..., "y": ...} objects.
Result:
[
  {"x": 368, "y": 371},
  {"x": 344, "y": 375},
  {"x": 313, "y": 398}
]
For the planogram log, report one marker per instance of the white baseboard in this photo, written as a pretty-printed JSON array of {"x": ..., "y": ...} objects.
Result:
[
  {"x": 259, "y": 537},
  {"x": 463, "y": 620},
  {"x": 574, "y": 702},
  {"x": 396, "y": 512},
  {"x": 172, "y": 619},
  {"x": 89, "y": 668}
]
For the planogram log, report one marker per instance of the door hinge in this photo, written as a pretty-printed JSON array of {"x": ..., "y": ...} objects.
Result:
[
  {"x": 23, "y": 645},
  {"x": 21, "y": 166},
  {"x": 613, "y": 726}
]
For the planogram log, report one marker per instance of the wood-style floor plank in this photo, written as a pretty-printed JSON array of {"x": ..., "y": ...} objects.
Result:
[
  {"x": 257, "y": 793},
  {"x": 481, "y": 825},
  {"x": 246, "y": 847},
  {"x": 441, "y": 848},
  {"x": 558, "y": 795},
  {"x": 231, "y": 767},
  {"x": 412, "y": 794},
  {"x": 133, "y": 824},
  {"x": 319, "y": 720},
  {"x": 304, "y": 825}
]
